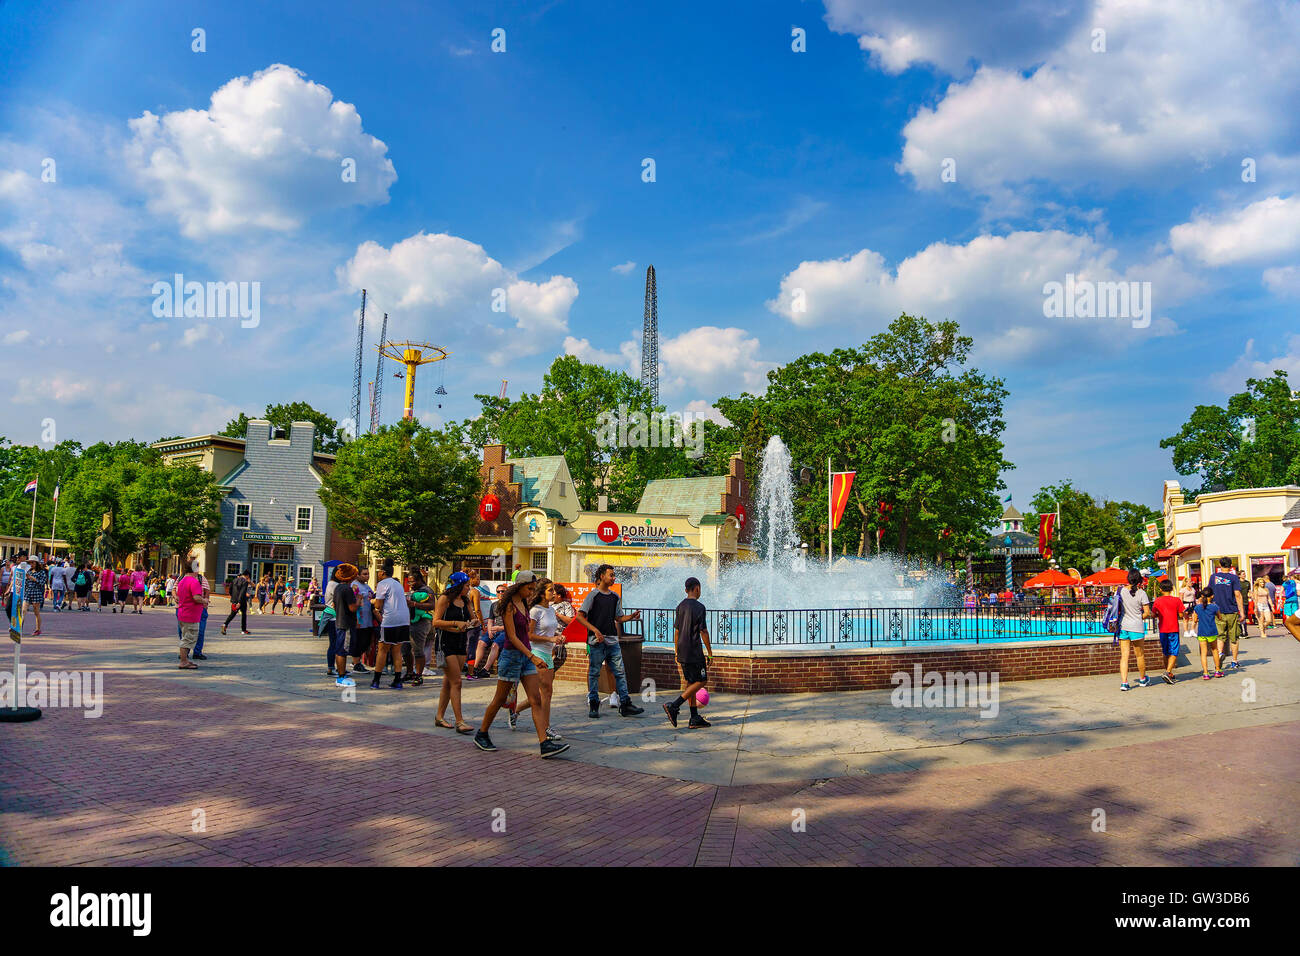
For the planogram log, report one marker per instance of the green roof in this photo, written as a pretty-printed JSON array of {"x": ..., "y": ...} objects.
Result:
[
  {"x": 692, "y": 497},
  {"x": 538, "y": 474}
]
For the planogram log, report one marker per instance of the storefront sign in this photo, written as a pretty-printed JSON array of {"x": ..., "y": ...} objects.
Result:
[
  {"x": 259, "y": 536},
  {"x": 607, "y": 531}
]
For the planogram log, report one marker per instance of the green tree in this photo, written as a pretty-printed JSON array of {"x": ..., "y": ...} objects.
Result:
[
  {"x": 1253, "y": 442},
  {"x": 174, "y": 505},
  {"x": 569, "y": 417},
  {"x": 328, "y": 438},
  {"x": 92, "y": 486},
  {"x": 922, "y": 433},
  {"x": 1091, "y": 534},
  {"x": 409, "y": 491}
]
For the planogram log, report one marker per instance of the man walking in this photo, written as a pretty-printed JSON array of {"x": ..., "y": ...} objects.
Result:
[
  {"x": 394, "y": 619},
  {"x": 238, "y": 602},
  {"x": 420, "y": 603},
  {"x": 1227, "y": 595},
  {"x": 601, "y": 614},
  {"x": 190, "y": 605},
  {"x": 691, "y": 637}
]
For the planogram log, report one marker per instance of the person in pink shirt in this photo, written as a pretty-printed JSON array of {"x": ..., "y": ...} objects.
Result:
[
  {"x": 138, "y": 578},
  {"x": 191, "y": 601},
  {"x": 106, "y": 587}
]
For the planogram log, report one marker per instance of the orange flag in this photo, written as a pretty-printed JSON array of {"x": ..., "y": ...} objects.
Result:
[{"x": 841, "y": 482}]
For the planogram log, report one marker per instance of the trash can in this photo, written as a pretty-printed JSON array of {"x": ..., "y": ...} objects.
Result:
[{"x": 630, "y": 645}]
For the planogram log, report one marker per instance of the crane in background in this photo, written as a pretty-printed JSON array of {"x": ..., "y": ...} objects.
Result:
[
  {"x": 356, "y": 374},
  {"x": 377, "y": 394}
]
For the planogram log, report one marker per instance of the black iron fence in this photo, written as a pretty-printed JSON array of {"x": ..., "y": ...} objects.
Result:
[{"x": 881, "y": 626}]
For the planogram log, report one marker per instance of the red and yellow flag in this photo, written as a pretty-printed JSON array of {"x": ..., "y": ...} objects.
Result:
[{"x": 841, "y": 482}]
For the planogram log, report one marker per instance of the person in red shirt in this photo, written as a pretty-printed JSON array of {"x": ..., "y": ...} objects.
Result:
[
  {"x": 1167, "y": 610},
  {"x": 191, "y": 601}
]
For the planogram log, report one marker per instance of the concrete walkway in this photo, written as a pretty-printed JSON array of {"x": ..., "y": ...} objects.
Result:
[{"x": 259, "y": 748}]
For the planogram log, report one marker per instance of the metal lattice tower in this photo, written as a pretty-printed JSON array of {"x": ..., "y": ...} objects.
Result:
[
  {"x": 356, "y": 375},
  {"x": 377, "y": 397},
  {"x": 650, "y": 339}
]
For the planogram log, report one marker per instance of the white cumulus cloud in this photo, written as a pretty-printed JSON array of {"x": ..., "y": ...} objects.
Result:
[
  {"x": 1263, "y": 231},
  {"x": 269, "y": 151}
]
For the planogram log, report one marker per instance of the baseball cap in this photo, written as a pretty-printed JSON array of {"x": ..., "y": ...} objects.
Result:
[
  {"x": 524, "y": 577},
  {"x": 457, "y": 579}
]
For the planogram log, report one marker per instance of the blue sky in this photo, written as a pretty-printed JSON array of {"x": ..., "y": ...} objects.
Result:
[{"x": 781, "y": 178}]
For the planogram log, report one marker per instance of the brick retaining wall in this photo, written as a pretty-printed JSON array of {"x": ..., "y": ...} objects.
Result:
[{"x": 768, "y": 672}]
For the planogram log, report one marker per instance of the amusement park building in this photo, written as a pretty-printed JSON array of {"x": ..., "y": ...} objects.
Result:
[
  {"x": 1257, "y": 528},
  {"x": 542, "y": 528}
]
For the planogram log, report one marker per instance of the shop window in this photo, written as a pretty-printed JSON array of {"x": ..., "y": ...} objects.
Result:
[{"x": 233, "y": 568}]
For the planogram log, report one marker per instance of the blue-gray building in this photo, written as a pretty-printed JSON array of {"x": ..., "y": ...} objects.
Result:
[{"x": 272, "y": 518}]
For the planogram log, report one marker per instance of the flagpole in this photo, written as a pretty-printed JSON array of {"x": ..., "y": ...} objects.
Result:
[
  {"x": 55, "y": 523},
  {"x": 830, "y": 515},
  {"x": 31, "y": 532}
]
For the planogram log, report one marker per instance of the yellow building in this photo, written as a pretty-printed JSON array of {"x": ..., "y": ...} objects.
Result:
[{"x": 1254, "y": 527}]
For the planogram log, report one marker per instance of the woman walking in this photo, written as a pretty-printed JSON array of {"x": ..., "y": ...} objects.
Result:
[
  {"x": 263, "y": 592},
  {"x": 123, "y": 581},
  {"x": 452, "y": 618},
  {"x": 548, "y": 627},
  {"x": 81, "y": 582},
  {"x": 1134, "y": 609},
  {"x": 518, "y": 663},
  {"x": 106, "y": 587},
  {"x": 1263, "y": 606},
  {"x": 34, "y": 591}
]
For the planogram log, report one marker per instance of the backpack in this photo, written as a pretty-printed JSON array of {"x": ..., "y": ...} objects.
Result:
[{"x": 1110, "y": 621}]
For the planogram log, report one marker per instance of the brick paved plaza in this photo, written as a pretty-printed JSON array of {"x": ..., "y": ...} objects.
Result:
[{"x": 258, "y": 747}]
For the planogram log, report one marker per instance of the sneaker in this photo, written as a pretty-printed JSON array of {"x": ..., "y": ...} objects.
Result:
[
  {"x": 199, "y": 657},
  {"x": 671, "y": 711},
  {"x": 359, "y": 669},
  {"x": 408, "y": 676},
  {"x": 698, "y": 721},
  {"x": 514, "y": 719},
  {"x": 483, "y": 742},
  {"x": 1233, "y": 665},
  {"x": 1144, "y": 682},
  {"x": 469, "y": 676},
  {"x": 346, "y": 682},
  {"x": 374, "y": 684},
  {"x": 333, "y": 672},
  {"x": 1205, "y": 677},
  {"x": 629, "y": 709},
  {"x": 1170, "y": 678},
  {"x": 551, "y": 748},
  {"x": 1124, "y": 686},
  {"x": 1218, "y": 673},
  {"x": 482, "y": 672},
  {"x": 396, "y": 684},
  {"x": 552, "y": 735},
  {"x": 595, "y": 710},
  {"x": 417, "y": 681}
]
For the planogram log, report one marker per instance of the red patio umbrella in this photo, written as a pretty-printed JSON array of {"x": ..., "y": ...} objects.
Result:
[
  {"x": 1051, "y": 579},
  {"x": 1107, "y": 578}
]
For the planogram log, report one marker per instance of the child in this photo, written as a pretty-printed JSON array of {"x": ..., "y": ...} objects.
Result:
[
  {"x": 299, "y": 598},
  {"x": 1168, "y": 609},
  {"x": 691, "y": 635},
  {"x": 289, "y": 595},
  {"x": 1207, "y": 631}
]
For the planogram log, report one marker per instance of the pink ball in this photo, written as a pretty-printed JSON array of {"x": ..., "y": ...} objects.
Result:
[{"x": 701, "y": 697}]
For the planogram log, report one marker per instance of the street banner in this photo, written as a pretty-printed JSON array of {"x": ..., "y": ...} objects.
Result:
[
  {"x": 1046, "y": 525},
  {"x": 16, "y": 604},
  {"x": 841, "y": 482}
]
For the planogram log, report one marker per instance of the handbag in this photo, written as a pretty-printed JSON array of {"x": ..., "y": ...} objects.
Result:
[{"x": 561, "y": 652}]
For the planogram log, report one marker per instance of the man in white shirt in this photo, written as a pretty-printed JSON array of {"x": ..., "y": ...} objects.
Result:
[{"x": 394, "y": 620}]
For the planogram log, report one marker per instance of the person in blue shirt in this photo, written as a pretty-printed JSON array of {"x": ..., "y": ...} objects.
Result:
[
  {"x": 1291, "y": 603},
  {"x": 1226, "y": 587},
  {"x": 1208, "y": 619}
]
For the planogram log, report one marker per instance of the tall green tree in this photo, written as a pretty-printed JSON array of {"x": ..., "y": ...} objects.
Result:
[
  {"x": 1251, "y": 442},
  {"x": 409, "y": 491},
  {"x": 93, "y": 486},
  {"x": 922, "y": 432},
  {"x": 328, "y": 439},
  {"x": 570, "y": 417},
  {"x": 178, "y": 506}
]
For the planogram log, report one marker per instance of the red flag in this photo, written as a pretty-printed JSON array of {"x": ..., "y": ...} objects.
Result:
[
  {"x": 841, "y": 482},
  {"x": 1046, "y": 525}
]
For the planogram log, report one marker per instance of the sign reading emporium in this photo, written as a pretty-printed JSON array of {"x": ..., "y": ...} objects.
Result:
[
  {"x": 283, "y": 538},
  {"x": 609, "y": 532}
]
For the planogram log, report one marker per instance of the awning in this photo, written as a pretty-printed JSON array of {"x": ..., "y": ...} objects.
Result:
[
  {"x": 476, "y": 549},
  {"x": 633, "y": 558},
  {"x": 1292, "y": 540},
  {"x": 1164, "y": 554}
]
